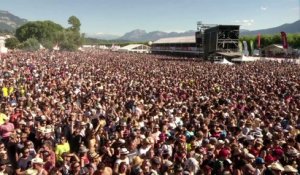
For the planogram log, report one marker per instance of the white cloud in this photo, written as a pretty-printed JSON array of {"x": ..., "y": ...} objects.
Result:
[
  {"x": 99, "y": 33},
  {"x": 245, "y": 22},
  {"x": 263, "y": 8}
]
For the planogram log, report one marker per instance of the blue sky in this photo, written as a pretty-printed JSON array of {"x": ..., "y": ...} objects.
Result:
[{"x": 120, "y": 16}]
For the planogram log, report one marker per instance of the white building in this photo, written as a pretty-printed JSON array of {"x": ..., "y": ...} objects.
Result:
[
  {"x": 135, "y": 48},
  {"x": 3, "y": 49}
]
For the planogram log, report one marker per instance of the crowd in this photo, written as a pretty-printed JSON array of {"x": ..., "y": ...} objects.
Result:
[{"x": 103, "y": 113}]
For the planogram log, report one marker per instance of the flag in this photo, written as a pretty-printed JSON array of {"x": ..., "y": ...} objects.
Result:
[
  {"x": 251, "y": 47},
  {"x": 284, "y": 40},
  {"x": 258, "y": 40}
]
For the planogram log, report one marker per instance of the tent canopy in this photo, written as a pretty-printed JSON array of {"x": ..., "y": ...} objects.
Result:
[
  {"x": 134, "y": 46},
  {"x": 224, "y": 61}
]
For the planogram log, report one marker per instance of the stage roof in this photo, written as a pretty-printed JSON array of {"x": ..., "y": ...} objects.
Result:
[
  {"x": 173, "y": 40},
  {"x": 132, "y": 46}
]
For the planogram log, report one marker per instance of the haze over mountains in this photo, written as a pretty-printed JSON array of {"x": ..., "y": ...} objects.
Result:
[{"x": 10, "y": 22}]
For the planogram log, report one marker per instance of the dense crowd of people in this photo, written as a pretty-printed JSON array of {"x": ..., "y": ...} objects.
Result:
[{"x": 103, "y": 113}]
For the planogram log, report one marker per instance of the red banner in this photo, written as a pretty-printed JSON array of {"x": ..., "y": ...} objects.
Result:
[
  {"x": 258, "y": 40},
  {"x": 284, "y": 40}
]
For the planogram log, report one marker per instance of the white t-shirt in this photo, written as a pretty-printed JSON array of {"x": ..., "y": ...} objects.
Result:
[{"x": 143, "y": 151}]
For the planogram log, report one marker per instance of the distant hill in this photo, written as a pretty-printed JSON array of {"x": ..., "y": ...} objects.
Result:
[
  {"x": 143, "y": 36},
  {"x": 95, "y": 41},
  {"x": 288, "y": 28},
  {"x": 10, "y": 22}
]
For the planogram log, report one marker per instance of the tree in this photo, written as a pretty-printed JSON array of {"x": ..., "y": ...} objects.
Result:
[
  {"x": 31, "y": 44},
  {"x": 75, "y": 23},
  {"x": 12, "y": 43},
  {"x": 73, "y": 38},
  {"x": 43, "y": 31},
  {"x": 50, "y": 34},
  {"x": 68, "y": 42}
]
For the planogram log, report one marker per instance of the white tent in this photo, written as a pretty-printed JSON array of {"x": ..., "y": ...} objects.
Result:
[
  {"x": 276, "y": 49},
  {"x": 245, "y": 59},
  {"x": 224, "y": 61},
  {"x": 135, "y": 48}
]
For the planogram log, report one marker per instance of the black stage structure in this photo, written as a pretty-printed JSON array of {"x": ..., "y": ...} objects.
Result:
[{"x": 211, "y": 42}]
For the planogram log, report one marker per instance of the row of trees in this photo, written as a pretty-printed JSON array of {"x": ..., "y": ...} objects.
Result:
[
  {"x": 32, "y": 35},
  {"x": 95, "y": 41},
  {"x": 293, "y": 40}
]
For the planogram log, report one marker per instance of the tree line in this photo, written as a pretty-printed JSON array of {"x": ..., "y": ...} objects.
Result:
[
  {"x": 266, "y": 40},
  {"x": 95, "y": 41},
  {"x": 32, "y": 35}
]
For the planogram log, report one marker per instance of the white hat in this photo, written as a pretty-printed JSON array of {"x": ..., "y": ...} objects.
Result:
[
  {"x": 249, "y": 156},
  {"x": 221, "y": 142},
  {"x": 37, "y": 160},
  {"x": 258, "y": 134},
  {"x": 290, "y": 169},
  {"x": 276, "y": 166},
  {"x": 124, "y": 151},
  {"x": 249, "y": 138}
]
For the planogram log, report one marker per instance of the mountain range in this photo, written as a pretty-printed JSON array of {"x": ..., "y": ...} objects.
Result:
[
  {"x": 10, "y": 22},
  {"x": 139, "y": 35},
  {"x": 142, "y": 35}
]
